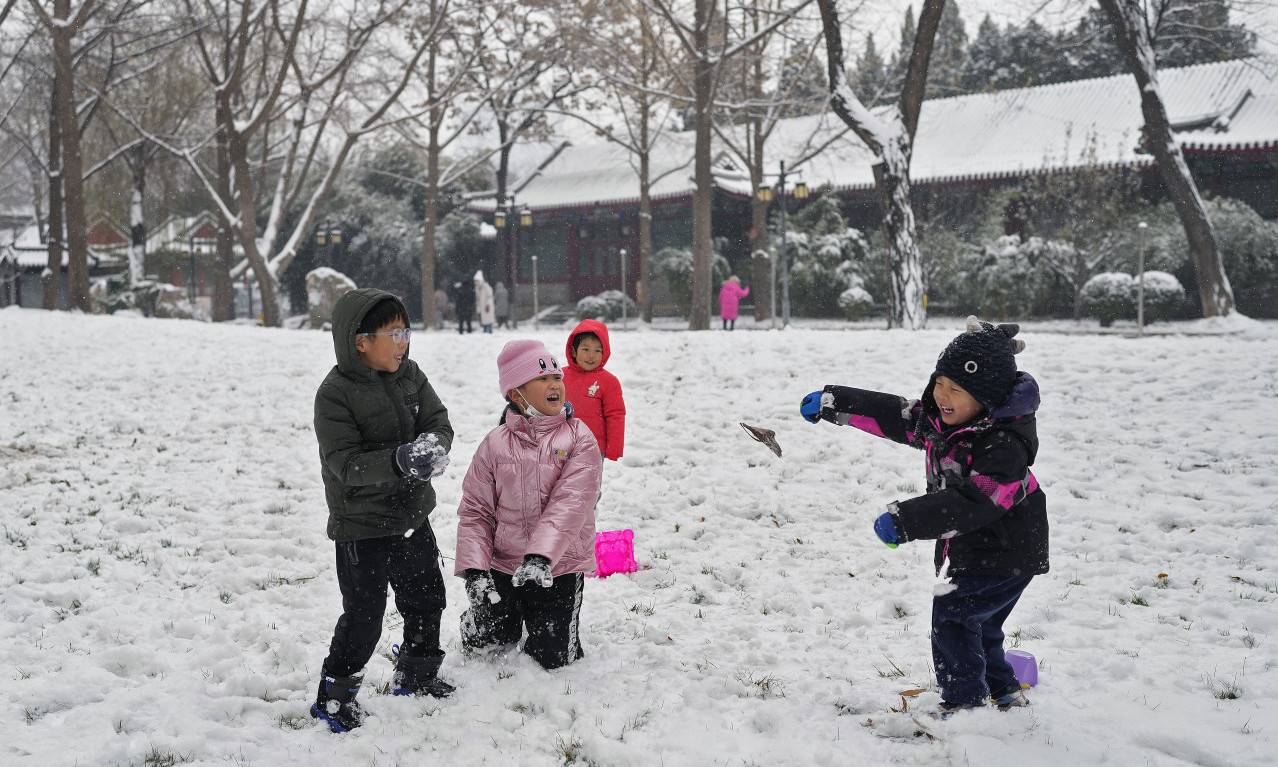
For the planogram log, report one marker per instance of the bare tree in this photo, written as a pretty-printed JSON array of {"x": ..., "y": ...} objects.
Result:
[
  {"x": 707, "y": 53},
  {"x": 249, "y": 57},
  {"x": 1132, "y": 22},
  {"x": 61, "y": 25},
  {"x": 636, "y": 83},
  {"x": 451, "y": 109},
  {"x": 889, "y": 134},
  {"x": 763, "y": 95},
  {"x": 522, "y": 75}
]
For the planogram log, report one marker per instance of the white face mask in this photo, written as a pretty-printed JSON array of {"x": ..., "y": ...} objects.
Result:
[{"x": 527, "y": 409}]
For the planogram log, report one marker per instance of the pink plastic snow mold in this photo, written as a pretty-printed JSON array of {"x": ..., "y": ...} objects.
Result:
[
  {"x": 615, "y": 552},
  {"x": 1024, "y": 665}
]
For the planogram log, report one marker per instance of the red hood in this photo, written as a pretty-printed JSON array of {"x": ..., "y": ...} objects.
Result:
[{"x": 588, "y": 326}]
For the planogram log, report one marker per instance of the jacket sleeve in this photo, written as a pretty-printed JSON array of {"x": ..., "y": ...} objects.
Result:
[
  {"x": 432, "y": 416},
  {"x": 999, "y": 479},
  {"x": 571, "y": 504},
  {"x": 883, "y": 415},
  {"x": 614, "y": 415},
  {"x": 342, "y": 446},
  {"x": 477, "y": 514}
]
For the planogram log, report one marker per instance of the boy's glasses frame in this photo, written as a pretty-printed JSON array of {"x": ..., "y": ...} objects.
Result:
[{"x": 398, "y": 335}]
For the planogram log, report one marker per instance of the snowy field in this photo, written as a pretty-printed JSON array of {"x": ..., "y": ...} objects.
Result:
[{"x": 167, "y": 592}]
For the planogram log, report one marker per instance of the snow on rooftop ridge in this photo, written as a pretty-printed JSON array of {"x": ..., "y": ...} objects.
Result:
[{"x": 1224, "y": 106}]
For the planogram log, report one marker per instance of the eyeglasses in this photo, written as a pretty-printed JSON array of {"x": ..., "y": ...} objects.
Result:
[{"x": 398, "y": 335}]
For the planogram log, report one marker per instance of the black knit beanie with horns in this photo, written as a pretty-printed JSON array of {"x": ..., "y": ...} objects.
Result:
[{"x": 981, "y": 361}]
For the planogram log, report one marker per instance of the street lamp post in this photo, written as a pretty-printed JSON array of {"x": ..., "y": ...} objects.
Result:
[
  {"x": 1140, "y": 289},
  {"x": 765, "y": 194},
  {"x": 190, "y": 249},
  {"x": 624, "y": 319}
]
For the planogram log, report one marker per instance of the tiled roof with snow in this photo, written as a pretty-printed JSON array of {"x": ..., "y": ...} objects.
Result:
[{"x": 1223, "y": 106}]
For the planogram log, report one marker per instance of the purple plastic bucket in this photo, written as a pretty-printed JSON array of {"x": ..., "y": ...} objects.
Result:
[{"x": 1024, "y": 665}]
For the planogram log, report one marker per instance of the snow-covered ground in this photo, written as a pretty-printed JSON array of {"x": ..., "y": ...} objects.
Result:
[{"x": 167, "y": 591}]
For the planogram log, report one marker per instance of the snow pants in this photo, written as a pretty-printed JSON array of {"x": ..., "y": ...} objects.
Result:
[
  {"x": 364, "y": 568},
  {"x": 551, "y": 616},
  {"x": 967, "y": 638}
]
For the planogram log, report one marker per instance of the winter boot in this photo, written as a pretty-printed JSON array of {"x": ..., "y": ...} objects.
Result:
[
  {"x": 420, "y": 676},
  {"x": 1014, "y": 699},
  {"x": 335, "y": 703},
  {"x": 946, "y": 709}
]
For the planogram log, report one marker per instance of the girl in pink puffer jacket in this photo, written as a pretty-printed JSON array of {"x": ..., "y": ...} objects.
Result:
[{"x": 526, "y": 533}]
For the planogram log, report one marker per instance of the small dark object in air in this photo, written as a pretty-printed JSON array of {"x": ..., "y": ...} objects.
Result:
[{"x": 766, "y": 436}]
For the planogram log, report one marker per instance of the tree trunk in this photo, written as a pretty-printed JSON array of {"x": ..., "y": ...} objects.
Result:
[
  {"x": 892, "y": 188},
  {"x": 644, "y": 284},
  {"x": 703, "y": 195},
  {"x": 429, "y": 310},
  {"x": 892, "y": 140},
  {"x": 1132, "y": 35},
  {"x": 137, "y": 219},
  {"x": 267, "y": 284},
  {"x": 760, "y": 254},
  {"x": 52, "y": 277},
  {"x": 72, "y": 165},
  {"x": 223, "y": 290}
]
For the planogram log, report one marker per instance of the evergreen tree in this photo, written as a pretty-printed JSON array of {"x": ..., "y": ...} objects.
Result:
[
  {"x": 896, "y": 70},
  {"x": 985, "y": 58},
  {"x": 871, "y": 76},
  {"x": 1187, "y": 32},
  {"x": 944, "y": 76}
]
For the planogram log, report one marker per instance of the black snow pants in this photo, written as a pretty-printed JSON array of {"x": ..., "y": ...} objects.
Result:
[{"x": 410, "y": 565}]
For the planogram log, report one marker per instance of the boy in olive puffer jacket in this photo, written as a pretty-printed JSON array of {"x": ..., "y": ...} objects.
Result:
[{"x": 383, "y": 436}]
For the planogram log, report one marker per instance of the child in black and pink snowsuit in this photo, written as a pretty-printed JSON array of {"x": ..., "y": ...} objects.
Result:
[{"x": 983, "y": 506}]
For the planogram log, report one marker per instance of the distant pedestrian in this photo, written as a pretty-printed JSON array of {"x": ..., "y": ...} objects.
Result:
[
  {"x": 501, "y": 297},
  {"x": 729, "y": 295},
  {"x": 442, "y": 308},
  {"x": 484, "y": 302},
  {"x": 464, "y": 304}
]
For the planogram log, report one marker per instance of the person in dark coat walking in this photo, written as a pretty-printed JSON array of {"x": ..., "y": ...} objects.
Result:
[
  {"x": 983, "y": 506},
  {"x": 383, "y": 437},
  {"x": 464, "y": 304}
]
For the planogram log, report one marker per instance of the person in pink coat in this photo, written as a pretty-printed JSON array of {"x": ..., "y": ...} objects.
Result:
[
  {"x": 526, "y": 529},
  {"x": 729, "y": 295}
]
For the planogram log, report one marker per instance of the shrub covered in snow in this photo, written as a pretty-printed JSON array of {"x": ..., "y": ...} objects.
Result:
[
  {"x": 1109, "y": 296},
  {"x": 827, "y": 257},
  {"x": 152, "y": 299},
  {"x": 604, "y": 307},
  {"x": 1248, "y": 249},
  {"x": 1007, "y": 278},
  {"x": 855, "y": 302},
  {"x": 1164, "y": 297},
  {"x": 675, "y": 264}
]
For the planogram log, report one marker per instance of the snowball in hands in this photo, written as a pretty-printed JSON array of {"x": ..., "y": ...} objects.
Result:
[
  {"x": 423, "y": 458},
  {"x": 535, "y": 568}
]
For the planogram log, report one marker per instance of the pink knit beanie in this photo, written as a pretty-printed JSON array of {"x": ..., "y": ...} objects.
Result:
[{"x": 522, "y": 361}]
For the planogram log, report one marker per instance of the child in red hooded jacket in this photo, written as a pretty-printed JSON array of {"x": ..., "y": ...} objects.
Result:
[{"x": 595, "y": 393}]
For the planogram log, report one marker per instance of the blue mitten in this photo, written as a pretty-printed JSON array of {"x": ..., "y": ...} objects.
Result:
[
  {"x": 535, "y": 568},
  {"x": 810, "y": 408},
  {"x": 885, "y": 528}
]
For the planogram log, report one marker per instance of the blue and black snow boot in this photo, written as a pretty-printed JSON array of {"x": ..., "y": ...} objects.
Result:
[
  {"x": 419, "y": 675},
  {"x": 335, "y": 702}
]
